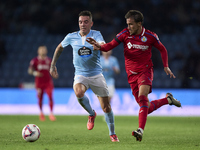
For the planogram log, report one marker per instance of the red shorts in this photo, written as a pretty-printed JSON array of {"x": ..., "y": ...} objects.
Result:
[
  {"x": 47, "y": 87},
  {"x": 142, "y": 78}
]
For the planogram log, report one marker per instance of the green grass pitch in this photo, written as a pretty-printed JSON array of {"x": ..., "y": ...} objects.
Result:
[{"x": 70, "y": 133}]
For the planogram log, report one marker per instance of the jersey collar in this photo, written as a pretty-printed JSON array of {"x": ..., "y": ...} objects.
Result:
[{"x": 143, "y": 31}]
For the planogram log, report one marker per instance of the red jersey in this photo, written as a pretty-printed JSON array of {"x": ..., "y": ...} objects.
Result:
[
  {"x": 137, "y": 49},
  {"x": 43, "y": 66}
]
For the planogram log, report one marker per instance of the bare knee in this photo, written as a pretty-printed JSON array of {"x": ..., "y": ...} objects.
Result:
[
  {"x": 106, "y": 108},
  {"x": 79, "y": 93},
  {"x": 79, "y": 90}
]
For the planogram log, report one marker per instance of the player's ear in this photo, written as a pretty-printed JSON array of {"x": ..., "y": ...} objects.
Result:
[
  {"x": 139, "y": 23},
  {"x": 92, "y": 23}
]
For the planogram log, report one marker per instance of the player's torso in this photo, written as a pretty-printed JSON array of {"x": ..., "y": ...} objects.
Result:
[
  {"x": 137, "y": 51},
  {"x": 137, "y": 47},
  {"x": 107, "y": 67},
  {"x": 43, "y": 66},
  {"x": 86, "y": 60}
]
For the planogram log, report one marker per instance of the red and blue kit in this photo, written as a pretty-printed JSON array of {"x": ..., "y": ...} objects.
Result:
[{"x": 137, "y": 53}]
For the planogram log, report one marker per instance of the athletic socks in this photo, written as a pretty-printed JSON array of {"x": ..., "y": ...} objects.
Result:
[
  {"x": 143, "y": 112},
  {"x": 51, "y": 105},
  {"x": 109, "y": 118},
  {"x": 84, "y": 101},
  {"x": 157, "y": 104}
]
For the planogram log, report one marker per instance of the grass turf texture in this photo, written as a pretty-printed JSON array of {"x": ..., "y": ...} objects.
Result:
[{"x": 70, "y": 132}]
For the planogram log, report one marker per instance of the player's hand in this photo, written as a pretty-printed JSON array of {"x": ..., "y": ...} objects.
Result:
[
  {"x": 53, "y": 71},
  {"x": 37, "y": 74},
  {"x": 169, "y": 72},
  {"x": 94, "y": 43}
]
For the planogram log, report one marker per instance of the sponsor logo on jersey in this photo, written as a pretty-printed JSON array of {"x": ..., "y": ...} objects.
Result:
[
  {"x": 84, "y": 52},
  {"x": 43, "y": 67},
  {"x": 142, "y": 47},
  {"x": 144, "y": 39},
  {"x": 133, "y": 72}
]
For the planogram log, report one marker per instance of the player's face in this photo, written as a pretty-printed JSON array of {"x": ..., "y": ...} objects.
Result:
[
  {"x": 107, "y": 54},
  {"x": 134, "y": 27},
  {"x": 85, "y": 24},
  {"x": 42, "y": 51}
]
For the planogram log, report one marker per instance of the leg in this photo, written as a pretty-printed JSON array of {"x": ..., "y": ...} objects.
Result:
[
  {"x": 99, "y": 87},
  {"x": 109, "y": 117},
  {"x": 154, "y": 105},
  {"x": 40, "y": 93},
  {"x": 143, "y": 112},
  {"x": 80, "y": 90},
  {"x": 81, "y": 84},
  {"x": 49, "y": 91},
  {"x": 144, "y": 104}
]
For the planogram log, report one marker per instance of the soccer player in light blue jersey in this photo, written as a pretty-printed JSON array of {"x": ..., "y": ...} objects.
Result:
[
  {"x": 110, "y": 67},
  {"x": 88, "y": 70}
]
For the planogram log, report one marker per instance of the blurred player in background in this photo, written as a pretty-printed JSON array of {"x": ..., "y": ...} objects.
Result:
[
  {"x": 138, "y": 43},
  {"x": 110, "y": 67},
  {"x": 39, "y": 68},
  {"x": 88, "y": 71}
]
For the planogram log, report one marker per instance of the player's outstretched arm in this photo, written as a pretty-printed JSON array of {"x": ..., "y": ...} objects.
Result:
[
  {"x": 53, "y": 70},
  {"x": 93, "y": 42},
  {"x": 169, "y": 72}
]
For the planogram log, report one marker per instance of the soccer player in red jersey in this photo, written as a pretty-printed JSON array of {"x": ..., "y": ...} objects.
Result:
[
  {"x": 39, "y": 67},
  {"x": 138, "y": 43}
]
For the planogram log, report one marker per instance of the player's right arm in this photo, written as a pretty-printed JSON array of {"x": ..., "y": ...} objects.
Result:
[
  {"x": 105, "y": 47},
  {"x": 57, "y": 53}
]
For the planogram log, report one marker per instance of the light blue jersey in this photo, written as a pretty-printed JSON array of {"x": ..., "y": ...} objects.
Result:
[
  {"x": 86, "y": 60},
  {"x": 108, "y": 65}
]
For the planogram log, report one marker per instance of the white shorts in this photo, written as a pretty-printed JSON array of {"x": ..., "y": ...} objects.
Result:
[
  {"x": 111, "y": 89},
  {"x": 97, "y": 84}
]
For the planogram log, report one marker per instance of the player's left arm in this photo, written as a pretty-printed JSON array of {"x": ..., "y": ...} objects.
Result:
[
  {"x": 116, "y": 67},
  {"x": 32, "y": 71},
  {"x": 164, "y": 56}
]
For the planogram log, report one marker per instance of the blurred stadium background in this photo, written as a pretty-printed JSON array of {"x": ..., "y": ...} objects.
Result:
[{"x": 26, "y": 24}]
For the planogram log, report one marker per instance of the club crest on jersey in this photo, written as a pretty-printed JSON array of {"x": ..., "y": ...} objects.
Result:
[
  {"x": 144, "y": 39},
  {"x": 84, "y": 52}
]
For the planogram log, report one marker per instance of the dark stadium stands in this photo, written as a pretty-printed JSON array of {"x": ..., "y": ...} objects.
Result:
[{"x": 25, "y": 25}]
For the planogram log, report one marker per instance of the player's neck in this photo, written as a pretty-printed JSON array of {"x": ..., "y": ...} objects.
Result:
[
  {"x": 139, "y": 31},
  {"x": 83, "y": 34},
  {"x": 42, "y": 57},
  {"x": 106, "y": 57}
]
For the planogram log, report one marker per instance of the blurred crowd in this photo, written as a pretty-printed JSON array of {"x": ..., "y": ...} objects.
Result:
[
  {"x": 165, "y": 17},
  {"x": 60, "y": 16}
]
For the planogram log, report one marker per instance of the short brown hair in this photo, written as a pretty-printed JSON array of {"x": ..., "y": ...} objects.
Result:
[
  {"x": 136, "y": 15},
  {"x": 86, "y": 13}
]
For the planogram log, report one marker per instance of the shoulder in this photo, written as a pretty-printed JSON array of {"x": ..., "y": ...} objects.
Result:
[
  {"x": 72, "y": 34},
  {"x": 95, "y": 32},
  {"x": 48, "y": 58},
  {"x": 151, "y": 34},
  {"x": 123, "y": 32},
  {"x": 34, "y": 60},
  {"x": 113, "y": 58}
]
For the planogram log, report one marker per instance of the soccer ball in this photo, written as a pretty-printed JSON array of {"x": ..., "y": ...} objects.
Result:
[{"x": 31, "y": 133}]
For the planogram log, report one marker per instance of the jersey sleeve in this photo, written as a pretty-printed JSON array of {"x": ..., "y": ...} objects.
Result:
[
  {"x": 32, "y": 64},
  {"x": 65, "y": 41},
  {"x": 116, "y": 63},
  {"x": 99, "y": 38},
  {"x": 115, "y": 42},
  {"x": 163, "y": 51}
]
